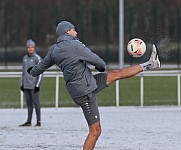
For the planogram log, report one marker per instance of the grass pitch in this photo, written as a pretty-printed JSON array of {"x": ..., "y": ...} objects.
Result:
[{"x": 157, "y": 91}]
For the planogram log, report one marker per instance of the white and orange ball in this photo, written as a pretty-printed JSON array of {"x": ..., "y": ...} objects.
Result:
[{"x": 136, "y": 47}]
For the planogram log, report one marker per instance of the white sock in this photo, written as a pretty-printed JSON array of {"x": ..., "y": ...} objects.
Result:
[{"x": 147, "y": 65}]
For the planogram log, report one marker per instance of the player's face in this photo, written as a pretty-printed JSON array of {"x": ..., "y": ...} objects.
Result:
[
  {"x": 72, "y": 32},
  {"x": 30, "y": 49}
]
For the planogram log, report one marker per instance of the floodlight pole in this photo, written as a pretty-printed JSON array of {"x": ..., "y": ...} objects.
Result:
[
  {"x": 121, "y": 33},
  {"x": 5, "y": 35}
]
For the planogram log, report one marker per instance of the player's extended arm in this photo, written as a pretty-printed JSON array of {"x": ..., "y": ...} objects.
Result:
[
  {"x": 42, "y": 66},
  {"x": 87, "y": 55}
]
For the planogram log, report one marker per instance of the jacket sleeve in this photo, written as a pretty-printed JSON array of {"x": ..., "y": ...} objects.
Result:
[
  {"x": 87, "y": 55},
  {"x": 46, "y": 63},
  {"x": 22, "y": 75},
  {"x": 39, "y": 80},
  {"x": 40, "y": 77}
]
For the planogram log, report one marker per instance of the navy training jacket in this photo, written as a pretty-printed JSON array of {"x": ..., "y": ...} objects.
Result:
[
  {"x": 72, "y": 56},
  {"x": 27, "y": 80}
]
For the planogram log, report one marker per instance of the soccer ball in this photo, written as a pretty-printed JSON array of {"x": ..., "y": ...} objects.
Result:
[{"x": 136, "y": 47}]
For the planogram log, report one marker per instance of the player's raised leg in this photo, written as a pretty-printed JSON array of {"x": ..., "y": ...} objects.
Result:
[{"x": 131, "y": 71}]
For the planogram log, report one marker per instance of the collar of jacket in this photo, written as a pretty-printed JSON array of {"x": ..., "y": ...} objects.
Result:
[
  {"x": 65, "y": 37},
  {"x": 29, "y": 55}
]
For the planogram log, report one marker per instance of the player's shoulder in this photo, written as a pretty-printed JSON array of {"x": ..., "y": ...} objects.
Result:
[
  {"x": 79, "y": 43},
  {"x": 52, "y": 48},
  {"x": 25, "y": 56},
  {"x": 37, "y": 56}
]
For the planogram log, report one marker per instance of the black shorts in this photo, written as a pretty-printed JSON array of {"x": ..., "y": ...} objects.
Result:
[
  {"x": 88, "y": 103},
  {"x": 101, "y": 79}
]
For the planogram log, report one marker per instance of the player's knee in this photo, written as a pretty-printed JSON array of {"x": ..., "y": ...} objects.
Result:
[
  {"x": 99, "y": 131},
  {"x": 36, "y": 102},
  {"x": 29, "y": 104},
  {"x": 112, "y": 77},
  {"x": 96, "y": 132}
]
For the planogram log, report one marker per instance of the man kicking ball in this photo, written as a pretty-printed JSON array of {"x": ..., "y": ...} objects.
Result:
[{"x": 72, "y": 56}]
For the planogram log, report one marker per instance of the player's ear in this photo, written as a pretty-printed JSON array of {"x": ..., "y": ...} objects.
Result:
[{"x": 67, "y": 32}]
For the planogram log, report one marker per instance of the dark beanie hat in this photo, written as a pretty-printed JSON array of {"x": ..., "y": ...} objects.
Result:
[
  {"x": 63, "y": 27},
  {"x": 30, "y": 42}
]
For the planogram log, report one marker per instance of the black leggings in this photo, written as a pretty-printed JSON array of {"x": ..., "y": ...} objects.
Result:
[{"x": 32, "y": 98}]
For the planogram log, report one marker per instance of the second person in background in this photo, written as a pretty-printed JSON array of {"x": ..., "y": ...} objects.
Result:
[{"x": 31, "y": 85}]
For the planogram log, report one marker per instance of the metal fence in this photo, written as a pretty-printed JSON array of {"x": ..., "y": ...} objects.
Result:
[{"x": 57, "y": 75}]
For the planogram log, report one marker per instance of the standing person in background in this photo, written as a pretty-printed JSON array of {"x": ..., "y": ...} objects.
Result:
[{"x": 31, "y": 85}]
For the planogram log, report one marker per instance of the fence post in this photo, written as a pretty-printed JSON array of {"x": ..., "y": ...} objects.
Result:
[
  {"x": 57, "y": 90},
  {"x": 117, "y": 93},
  {"x": 21, "y": 99},
  {"x": 178, "y": 88},
  {"x": 141, "y": 90}
]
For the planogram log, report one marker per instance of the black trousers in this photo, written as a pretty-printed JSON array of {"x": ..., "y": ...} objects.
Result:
[{"x": 32, "y": 99}]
